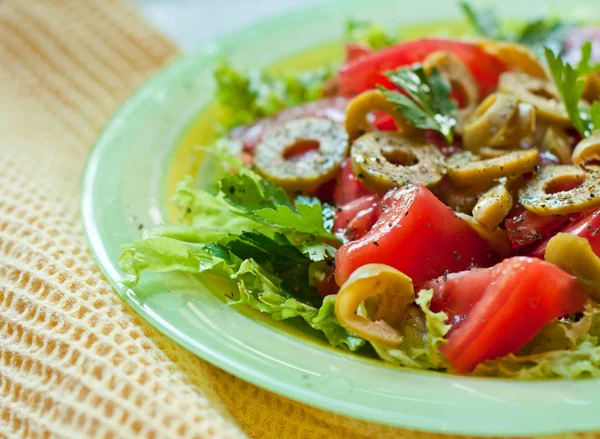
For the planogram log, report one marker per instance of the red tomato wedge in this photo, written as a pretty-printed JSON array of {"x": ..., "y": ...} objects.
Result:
[
  {"x": 525, "y": 227},
  {"x": 327, "y": 108},
  {"x": 418, "y": 235},
  {"x": 496, "y": 311},
  {"x": 347, "y": 187},
  {"x": 355, "y": 219},
  {"x": 368, "y": 71},
  {"x": 588, "y": 227},
  {"x": 355, "y": 51}
]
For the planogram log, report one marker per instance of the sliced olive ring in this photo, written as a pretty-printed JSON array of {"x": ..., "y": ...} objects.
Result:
[
  {"x": 534, "y": 195},
  {"x": 499, "y": 121},
  {"x": 461, "y": 198},
  {"x": 497, "y": 239},
  {"x": 365, "y": 103},
  {"x": 460, "y": 77},
  {"x": 511, "y": 164},
  {"x": 588, "y": 149},
  {"x": 591, "y": 89},
  {"x": 540, "y": 93},
  {"x": 385, "y": 160},
  {"x": 515, "y": 55},
  {"x": 310, "y": 169},
  {"x": 575, "y": 255},
  {"x": 493, "y": 206},
  {"x": 553, "y": 139},
  {"x": 386, "y": 292}
]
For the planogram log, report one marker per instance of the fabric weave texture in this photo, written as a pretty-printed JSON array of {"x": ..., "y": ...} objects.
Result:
[{"x": 75, "y": 360}]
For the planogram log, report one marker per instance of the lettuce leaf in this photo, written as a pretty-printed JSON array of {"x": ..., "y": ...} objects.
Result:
[
  {"x": 257, "y": 286},
  {"x": 245, "y": 97},
  {"x": 562, "y": 349},
  {"x": 423, "y": 332},
  {"x": 369, "y": 34}
]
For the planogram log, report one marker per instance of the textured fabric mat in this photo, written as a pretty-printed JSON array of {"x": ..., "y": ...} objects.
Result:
[{"x": 75, "y": 361}]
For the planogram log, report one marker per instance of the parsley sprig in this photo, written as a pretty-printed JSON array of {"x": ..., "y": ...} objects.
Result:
[
  {"x": 535, "y": 34},
  {"x": 427, "y": 104},
  {"x": 569, "y": 82}
]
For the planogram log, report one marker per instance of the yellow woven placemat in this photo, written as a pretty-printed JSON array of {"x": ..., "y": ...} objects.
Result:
[{"x": 75, "y": 361}]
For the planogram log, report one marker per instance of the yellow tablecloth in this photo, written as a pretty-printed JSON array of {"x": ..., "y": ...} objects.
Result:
[{"x": 75, "y": 361}]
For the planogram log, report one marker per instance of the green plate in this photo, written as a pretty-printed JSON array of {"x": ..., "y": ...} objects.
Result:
[{"x": 125, "y": 189}]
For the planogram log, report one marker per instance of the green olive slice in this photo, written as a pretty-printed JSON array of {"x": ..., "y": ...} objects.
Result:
[
  {"x": 512, "y": 164},
  {"x": 575, "y": 255},
  {"x": 460, "y": 77},
  {"x": 540, "y": 93},
  {"x": 497, "y": 238},
  {"x": 493, "y": 206},
  {"x": 537, "y": 196},
  {"x": 588, "y": 149},
  {"x": 365, "y": 103},
  {"x": 385, "y": 160},
  {"x": 591, "y": 89},
  {"x": 515, "y": 55},
  {"x": 556, "y": 141},
  {"x": 488, "y": 120},
  {"x": 387, "y": 292},
  {"x": 307, "y": 170}
]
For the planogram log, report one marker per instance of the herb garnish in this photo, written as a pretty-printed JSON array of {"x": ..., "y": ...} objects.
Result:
[
  {"x": 428, "y": 105},
  {"x": 570, "y": 83}
]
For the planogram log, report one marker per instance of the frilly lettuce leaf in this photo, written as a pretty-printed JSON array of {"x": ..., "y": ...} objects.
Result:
[
  {"x": 561, "y": 350},
  {"x": 257, "y": 286},
  {"x": 370, "y": 34},
  {"x": 247, "y": 96},
  {"x": 423, "y": 332}
]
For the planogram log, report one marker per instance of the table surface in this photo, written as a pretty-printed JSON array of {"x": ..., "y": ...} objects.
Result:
[{"x": 191, "y": 23}]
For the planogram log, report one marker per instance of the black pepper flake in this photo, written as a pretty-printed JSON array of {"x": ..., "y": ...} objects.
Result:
[
  {"x": 231, "y": 190},
  {"x": 140, "y": 227},
  {"x": 457, "y": 255},
  {"x": 589, "y": 227},
  {"x": 427, "y": 225},
  {"x": 189, "y": 210},
  {"x": 375, "y": 243},
  {"x": 445, "y": 278},
  {"x": 361, "y": 176}
]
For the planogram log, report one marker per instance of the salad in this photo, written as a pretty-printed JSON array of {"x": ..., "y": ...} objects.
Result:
[{"x": 434, "y": 203}]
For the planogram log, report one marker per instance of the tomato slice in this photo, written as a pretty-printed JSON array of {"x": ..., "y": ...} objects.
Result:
[
  {"x": 355, "y": 219},
  {"x": 348, "y": 187},
  {"x": 418, "y": 235},
  {"x": 525, "y": 227},
  {"x": 368, "y": 71},
  {"x": 472, "y": 285},
  {"x": 587, "y": 226},
  {"x": 496, "y": 311},
  {"x": 355, "y": 51},
  {"x": 333, "y": 108}
]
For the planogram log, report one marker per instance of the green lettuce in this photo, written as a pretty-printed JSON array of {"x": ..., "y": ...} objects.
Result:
[
  {"x": 247, "y": 96},
  {"x": 257, "y": 285},
  {"x": 369, "y": 34},
  {"x": 562, "y": 349},
  {"x": 423, "y": 332}
]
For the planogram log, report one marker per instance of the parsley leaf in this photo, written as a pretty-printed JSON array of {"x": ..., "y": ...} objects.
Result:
[
  {"x": 595, "y": 115},
  {"x": 428, "y": 104},
  {"x": 586, "y": 67},
  {"x": 570, "y": 84},
  {"x": 306, "y": 219},
  {"x": 534, "y": 34},
  {"x": 261, "y": 200},
  {"x": 485, "y": 21},
  {"x": 368, "y": 34}
]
